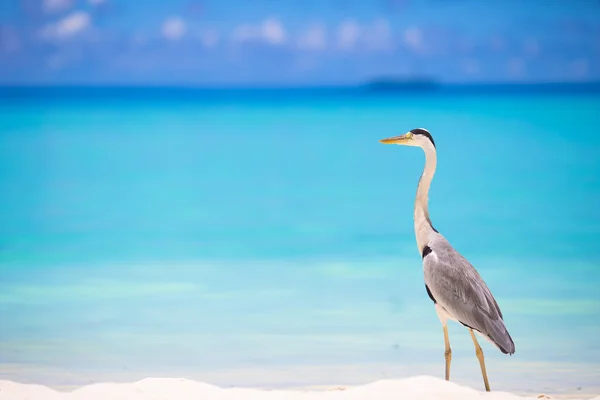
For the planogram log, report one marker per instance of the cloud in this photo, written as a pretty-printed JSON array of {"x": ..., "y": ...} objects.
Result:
[
  {"x": 52, "y": 6},
  {"x": 173, "y": 28},
  {"x": 273, "y": 31},
  {"x": 379, "y": 35},
  {"x": 413, "y": 38},
  {"x": 376, "y": 36},
  {"x": 270, "y": 31},
  {"x": 348, "y": 34},
  {"x": 313, "y": 39},
  {"x": 71, "y": 25}
]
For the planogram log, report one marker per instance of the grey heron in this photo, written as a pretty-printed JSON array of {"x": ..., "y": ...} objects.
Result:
[{"x": 452, "y": 283}]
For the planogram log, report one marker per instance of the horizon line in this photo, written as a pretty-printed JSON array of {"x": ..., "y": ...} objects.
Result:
[{"x": 366, "y": 84}]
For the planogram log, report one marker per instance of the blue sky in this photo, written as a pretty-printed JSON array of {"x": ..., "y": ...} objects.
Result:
[{"x": 293, "y": 42}]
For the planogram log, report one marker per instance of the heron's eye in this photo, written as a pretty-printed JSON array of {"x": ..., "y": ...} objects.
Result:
[{"x": 409, "y": 135}]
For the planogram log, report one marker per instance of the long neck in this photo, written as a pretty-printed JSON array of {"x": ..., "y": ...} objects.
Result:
[{"x": 423, "y": 227}]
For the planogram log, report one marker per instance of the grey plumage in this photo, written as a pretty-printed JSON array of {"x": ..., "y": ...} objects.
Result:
[{"x": 457, "y": 287}]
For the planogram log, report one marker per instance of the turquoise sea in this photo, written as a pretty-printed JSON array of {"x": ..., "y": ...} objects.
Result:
[{"x": 265, "y": 238}]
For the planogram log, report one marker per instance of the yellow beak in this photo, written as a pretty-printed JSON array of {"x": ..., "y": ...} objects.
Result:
[{"x": 397, "y": 139}]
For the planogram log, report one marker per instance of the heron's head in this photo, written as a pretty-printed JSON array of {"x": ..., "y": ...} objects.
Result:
[{"x": 417, "y": 137}]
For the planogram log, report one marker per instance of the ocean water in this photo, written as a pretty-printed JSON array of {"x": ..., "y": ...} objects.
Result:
[{"x": 248, "y": 238}]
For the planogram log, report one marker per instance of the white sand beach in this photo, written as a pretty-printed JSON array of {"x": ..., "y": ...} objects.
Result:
[{"x": 414, "y": 388}]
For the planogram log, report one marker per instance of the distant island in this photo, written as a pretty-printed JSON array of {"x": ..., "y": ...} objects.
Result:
[{"x": 402, "y": 84}]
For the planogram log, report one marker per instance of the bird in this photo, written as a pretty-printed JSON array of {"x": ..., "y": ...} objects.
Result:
[{"x": 457, "y": 290}]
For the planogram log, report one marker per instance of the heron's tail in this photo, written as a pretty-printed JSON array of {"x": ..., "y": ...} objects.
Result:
[{"x": 498, "y": 334}]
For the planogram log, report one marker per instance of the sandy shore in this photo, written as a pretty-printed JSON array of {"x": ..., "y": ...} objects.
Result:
[{"x": 415, "y": 388}]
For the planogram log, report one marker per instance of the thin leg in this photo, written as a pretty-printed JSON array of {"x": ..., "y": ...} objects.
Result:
[
  {"x": 448, "y": 352},
  {"x": 479, "y": 354}
]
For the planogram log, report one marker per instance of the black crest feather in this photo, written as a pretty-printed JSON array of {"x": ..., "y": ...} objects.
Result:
[{"x": 423, "y": 132}]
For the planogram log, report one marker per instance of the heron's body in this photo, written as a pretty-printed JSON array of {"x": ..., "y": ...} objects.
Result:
[{"x": 455, "y": 287}]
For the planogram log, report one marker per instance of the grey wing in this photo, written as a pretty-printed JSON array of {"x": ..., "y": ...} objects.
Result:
[{"x": 456, "y": 286}]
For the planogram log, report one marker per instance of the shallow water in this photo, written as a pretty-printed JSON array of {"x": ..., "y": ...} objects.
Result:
[{"x": 263, "y": 240}]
